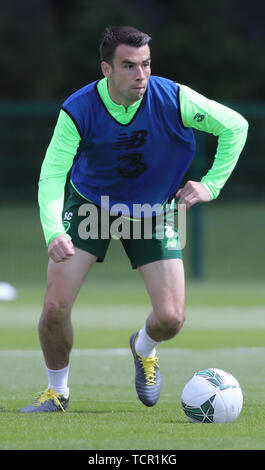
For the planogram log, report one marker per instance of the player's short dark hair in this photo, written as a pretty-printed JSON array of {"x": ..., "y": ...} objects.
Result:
[{"x": 113, "y": 36}]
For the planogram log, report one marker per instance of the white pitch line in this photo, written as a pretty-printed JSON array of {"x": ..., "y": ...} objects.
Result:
[{"x": 126, "y": 351}]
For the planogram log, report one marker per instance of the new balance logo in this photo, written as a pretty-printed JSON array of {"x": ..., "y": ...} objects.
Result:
[{"x": 130, "y": 141}]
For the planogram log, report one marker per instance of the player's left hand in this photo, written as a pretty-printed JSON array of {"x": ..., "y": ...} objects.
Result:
[{"x": 192, "y": 193}]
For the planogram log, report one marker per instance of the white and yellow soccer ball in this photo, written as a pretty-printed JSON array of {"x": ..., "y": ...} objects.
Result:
[{"x": 212, "y": 396}]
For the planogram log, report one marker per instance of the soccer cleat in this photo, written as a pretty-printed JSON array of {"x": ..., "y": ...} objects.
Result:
[
  {"x": 147, "y": 376},
  {"x": 46, "y": 401}
]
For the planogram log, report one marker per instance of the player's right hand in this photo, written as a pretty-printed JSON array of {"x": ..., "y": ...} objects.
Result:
[{"x": 60, "y": 249}]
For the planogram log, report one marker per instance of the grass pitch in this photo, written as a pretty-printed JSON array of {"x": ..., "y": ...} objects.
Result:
[
  {"x": 225, "y": 328},
  {"x": 104, "y": 412}
]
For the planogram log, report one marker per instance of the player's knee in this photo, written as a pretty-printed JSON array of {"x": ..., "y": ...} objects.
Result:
[
  {"x": 54, "y": 313},
  {"x": 171, "y": 321}
]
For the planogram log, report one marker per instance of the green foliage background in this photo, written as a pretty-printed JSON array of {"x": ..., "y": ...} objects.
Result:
[{"x": 51, "y": 48}]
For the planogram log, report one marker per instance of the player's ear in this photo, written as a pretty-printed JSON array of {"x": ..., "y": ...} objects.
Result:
[{"x": 106, "y": 69}]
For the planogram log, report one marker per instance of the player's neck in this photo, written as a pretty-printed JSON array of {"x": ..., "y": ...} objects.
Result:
[{"x": 117, "y": 98}]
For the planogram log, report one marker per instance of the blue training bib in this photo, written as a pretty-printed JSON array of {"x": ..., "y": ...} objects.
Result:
[{"x": 139, "y": 163}]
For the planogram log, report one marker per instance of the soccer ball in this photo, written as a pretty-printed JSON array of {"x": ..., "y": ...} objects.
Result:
[{"x": 212, "y": 396}]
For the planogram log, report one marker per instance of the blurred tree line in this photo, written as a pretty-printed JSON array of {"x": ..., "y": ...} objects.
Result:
[{"x": 49, "y": 48}]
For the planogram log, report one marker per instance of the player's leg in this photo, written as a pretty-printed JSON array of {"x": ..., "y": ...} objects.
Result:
[
  {"x": 165, "y": 283},
  {"x": 159, "y": 260},
  {"x": 65, "y": 279},
  {"x": 55, "y": 328},
  {"x": 80, "y": 219}
]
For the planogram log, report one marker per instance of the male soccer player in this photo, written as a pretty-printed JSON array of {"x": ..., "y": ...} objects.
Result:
[{"x": 128, "y": 141}]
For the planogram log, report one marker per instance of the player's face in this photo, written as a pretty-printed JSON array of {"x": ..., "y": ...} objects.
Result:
[{"x": 128, "y": 74}]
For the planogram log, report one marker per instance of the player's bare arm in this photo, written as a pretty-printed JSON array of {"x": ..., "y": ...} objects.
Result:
[
  {"x": 60, "y": 249},
  {"x": 192, "y": 193}
]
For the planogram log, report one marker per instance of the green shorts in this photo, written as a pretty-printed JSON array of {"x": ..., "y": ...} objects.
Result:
[{"x": 145, "y": 240}]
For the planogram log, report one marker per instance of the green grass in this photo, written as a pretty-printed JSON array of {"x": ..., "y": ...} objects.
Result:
[
  {"x": 235, "y": 311},
  {"x": 225, "y": 328},
  {"x": 104, "y": 412}
]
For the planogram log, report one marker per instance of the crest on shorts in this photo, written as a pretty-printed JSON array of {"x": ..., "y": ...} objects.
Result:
[{"x": 66, "y": 225}]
